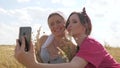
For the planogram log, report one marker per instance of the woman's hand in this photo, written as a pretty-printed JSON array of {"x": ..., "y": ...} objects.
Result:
[{"x": 26, "y": 58}]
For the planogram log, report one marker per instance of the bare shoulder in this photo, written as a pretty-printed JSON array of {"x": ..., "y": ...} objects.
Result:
[
  {"x": 40, "y": 41},
  {"x": 43, "y": 39}
]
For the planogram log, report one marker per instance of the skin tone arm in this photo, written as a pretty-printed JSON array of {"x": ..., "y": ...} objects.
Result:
[
  {"x": 75, "y": 63},
  {"x": 28, "y": 59}
]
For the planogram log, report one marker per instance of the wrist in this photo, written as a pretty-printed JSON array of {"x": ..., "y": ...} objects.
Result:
[{"x": 32, "y": 65}]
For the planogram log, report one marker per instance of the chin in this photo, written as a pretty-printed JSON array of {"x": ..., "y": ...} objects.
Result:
[{"x": 59, "y": 34}]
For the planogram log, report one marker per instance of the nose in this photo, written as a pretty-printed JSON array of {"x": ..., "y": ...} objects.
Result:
[{"x": 55, "y": 25}]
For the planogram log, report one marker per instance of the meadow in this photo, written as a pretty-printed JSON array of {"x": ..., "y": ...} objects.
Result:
[{"x": 7, "y": 59}]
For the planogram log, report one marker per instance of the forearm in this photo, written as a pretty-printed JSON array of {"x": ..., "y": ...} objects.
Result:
[
  {"x": 76, "y": 62},
  {"x": 61, "y": 65}
]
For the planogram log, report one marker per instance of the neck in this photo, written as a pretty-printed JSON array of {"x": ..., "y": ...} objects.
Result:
[
  {"x": 58, "y": 38},
  {"x": 79, "y": 38}
]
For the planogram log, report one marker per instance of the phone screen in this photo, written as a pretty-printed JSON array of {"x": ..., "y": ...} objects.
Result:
[{"x": 26, "y": 32}]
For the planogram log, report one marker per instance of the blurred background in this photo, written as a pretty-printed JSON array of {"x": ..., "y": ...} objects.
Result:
[{"x": 104, "y": 15}]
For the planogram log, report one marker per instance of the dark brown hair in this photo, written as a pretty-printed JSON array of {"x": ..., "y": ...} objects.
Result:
[{"x": 84, "y": 19}]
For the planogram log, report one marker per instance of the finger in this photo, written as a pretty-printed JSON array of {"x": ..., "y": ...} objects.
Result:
[
  {"x": 23, "y": 44},
  {"x": 17, "y": 47},
  {"x": 31, "y": 47}
]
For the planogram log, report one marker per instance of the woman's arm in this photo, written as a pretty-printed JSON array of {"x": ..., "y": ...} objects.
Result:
[
  {"x": 29, "y": 60},
  {"x": 77, "y": 62}
]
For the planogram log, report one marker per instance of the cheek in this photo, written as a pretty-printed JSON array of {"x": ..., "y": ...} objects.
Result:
[
  {"x": 59, "y": 27},
  {"x": 62, "y": 26},
  {"x": 76, "y": 29},
  {"x": 51, "y": 29}
]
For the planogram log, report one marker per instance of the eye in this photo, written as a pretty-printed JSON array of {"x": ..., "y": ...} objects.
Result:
[{"x": 74, "y": 21}]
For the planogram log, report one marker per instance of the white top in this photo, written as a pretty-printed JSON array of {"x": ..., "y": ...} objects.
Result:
[{"x": 45, "y": 56}]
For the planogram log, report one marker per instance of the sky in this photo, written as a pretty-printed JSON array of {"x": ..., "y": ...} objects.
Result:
[{"x": 104, "y": 15}]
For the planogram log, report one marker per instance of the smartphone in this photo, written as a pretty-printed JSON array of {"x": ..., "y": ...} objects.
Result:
[{"x": 26, "y": 32}]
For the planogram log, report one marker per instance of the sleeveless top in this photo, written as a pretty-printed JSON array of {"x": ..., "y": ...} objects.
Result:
[{"x": 44, "y": 54}]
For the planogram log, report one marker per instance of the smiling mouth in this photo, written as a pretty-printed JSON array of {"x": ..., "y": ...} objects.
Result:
[{"x": 57, "y": 30}]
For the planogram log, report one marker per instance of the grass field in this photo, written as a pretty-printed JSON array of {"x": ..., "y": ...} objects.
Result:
[{"x": 7, "y": 59}]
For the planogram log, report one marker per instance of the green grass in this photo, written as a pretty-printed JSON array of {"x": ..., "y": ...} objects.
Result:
[{"x": 7, "y": 59}]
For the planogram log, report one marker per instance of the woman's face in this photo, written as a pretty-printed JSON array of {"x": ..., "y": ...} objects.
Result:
[
  {"x": 56, "y": 25},
  {"x": 75, "y": 27}
]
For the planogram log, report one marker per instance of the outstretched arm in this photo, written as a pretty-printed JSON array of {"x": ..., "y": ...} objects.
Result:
[
  {"x": 75, "y": 63},
  {"x": 28, "y": 59}
]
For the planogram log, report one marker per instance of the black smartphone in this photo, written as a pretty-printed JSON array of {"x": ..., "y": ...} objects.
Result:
[{"x": 26, "y": 32}]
